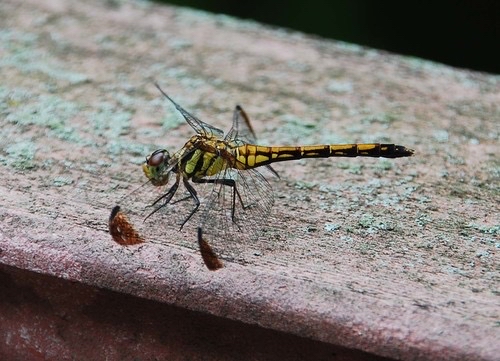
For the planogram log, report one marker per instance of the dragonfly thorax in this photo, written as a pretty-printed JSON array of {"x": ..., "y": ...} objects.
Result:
[{"x": 205, "y": 156}]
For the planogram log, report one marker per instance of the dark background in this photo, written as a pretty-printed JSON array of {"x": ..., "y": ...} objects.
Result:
[{"x": 461, "y": 33}]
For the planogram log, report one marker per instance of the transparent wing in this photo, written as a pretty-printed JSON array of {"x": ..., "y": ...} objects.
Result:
[
  {"x": 236, "y": 215},
  {"x": 241, "y": 130},
  {"x": 228, "y": 217},
  {"x": 198, "y": 125}
]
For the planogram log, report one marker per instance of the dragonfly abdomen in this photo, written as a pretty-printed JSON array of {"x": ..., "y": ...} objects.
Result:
[{"x": 251, "y": 156}]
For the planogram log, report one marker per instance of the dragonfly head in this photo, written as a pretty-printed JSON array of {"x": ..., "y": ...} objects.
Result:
[{"x": 155, "y": 165}]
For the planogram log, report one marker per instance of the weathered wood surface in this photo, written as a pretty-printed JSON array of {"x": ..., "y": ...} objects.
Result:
[{"x": 398, "y": 258}]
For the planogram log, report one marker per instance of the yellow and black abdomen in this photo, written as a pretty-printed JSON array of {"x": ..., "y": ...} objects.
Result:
[{"x": 251, "y": 156}]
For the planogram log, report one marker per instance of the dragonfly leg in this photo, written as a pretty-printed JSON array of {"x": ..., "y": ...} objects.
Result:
[
  {"x": 192, "y": 194},
  {"x": 227, "y": 182},
  {"x": 165, "y": 198}
]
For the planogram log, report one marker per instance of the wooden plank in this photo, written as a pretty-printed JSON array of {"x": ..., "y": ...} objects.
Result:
[
  {"x": 44, "y": 317},
  {"x": 397, "y": 258}
]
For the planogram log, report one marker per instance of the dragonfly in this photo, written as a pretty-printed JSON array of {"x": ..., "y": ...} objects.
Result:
[{"x": 238, "y": 196}]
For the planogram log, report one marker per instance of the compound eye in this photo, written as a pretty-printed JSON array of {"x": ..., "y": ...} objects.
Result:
[{"x": 157, "y": 158}]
